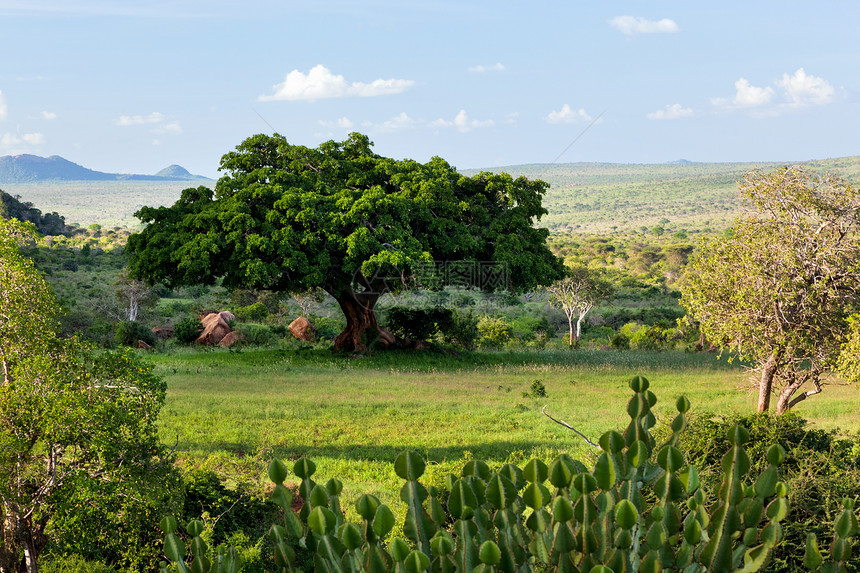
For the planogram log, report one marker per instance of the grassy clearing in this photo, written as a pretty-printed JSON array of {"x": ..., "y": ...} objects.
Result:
[{"x": 231, "y": 411}]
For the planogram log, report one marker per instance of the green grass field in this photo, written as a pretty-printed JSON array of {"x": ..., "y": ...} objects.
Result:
[{"x": 231, "y": 411}]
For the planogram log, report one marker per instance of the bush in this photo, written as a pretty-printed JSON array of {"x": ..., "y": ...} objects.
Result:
[
  {"x": 417, "y": 323},
  {"x": 648, "y": 338},
  {"x": 70, "y": 265},
  {"x": 256, "y": 312},
  {"x": 494, "y": 331},
  {"x": 187, "y": 330},
  {"x": 821, "y": 468},
  {"x": 462, "y": 331},
  {"x": 235, "y": 509},
  {"x": 128, "y": 333},
  {"x": 255, "y": 334}
]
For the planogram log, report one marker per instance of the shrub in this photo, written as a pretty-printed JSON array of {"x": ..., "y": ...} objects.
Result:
[
  {"x": 620, "y": 341},
  {"x": 187, "y": 330},
  {"x": 70, "y": 265},
  {"x": 236, "y": 510},
  {"x": 256, "y": 312},
  {"x": 128, "y": 333},
  {"x": 821, "y": 468},
  {"x": 417, "y": 323},
  {"x": 648, "y": 338},
  {"x": 494, "y": 331},
  {"x": 462, "y": 330},
  {"x": 255, "y": 334}
]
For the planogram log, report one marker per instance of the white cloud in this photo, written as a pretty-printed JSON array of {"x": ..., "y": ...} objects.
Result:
[
  {"x": 797, "y": 90},
  {"x": 33, "y": 138},
  {"x": 401, "y": 121},
  {"x": 154, "y": 117},
  {"x": 630, "y": 25},
  {"x": 746, "y": 95},
  {"x": 321, "y": 83},
  {"x": 168, "y": 129},
  {"x": 341, "y": 123},
  {"x": 497, "y": 67},
  {"x": 568, "y": 115},
  {"x": 464, "y": 123},
  {"x": 14, "y": 143},
  {"x": 802, "y": 90},
  {"x": 674, "y": 111},
  {"x": 49, "y": 115},
  {"x": 4, "y": 109}
]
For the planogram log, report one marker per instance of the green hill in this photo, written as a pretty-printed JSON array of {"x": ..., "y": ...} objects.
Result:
[
  {"x": 47, "y": 224},
  {"x": 607, "y": 197}
]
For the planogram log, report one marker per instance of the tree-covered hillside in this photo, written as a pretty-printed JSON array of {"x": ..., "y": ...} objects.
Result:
[{"x": 13, "y": 208}]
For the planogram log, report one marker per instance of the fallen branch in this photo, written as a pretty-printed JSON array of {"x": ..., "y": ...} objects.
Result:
[{"x": 568, "y": 426}]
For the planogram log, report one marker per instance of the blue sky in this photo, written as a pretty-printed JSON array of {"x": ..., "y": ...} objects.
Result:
[{"x": 133, "y": 86}]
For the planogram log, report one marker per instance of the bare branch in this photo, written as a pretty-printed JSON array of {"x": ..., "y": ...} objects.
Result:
[{"x": 568, "y": 426}]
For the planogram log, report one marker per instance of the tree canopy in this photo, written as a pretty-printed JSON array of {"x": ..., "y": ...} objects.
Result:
[
  {"x": 778, "y": 290},
  {"x": 77, "y": 425},
  {"x": 342, "y": 218}
]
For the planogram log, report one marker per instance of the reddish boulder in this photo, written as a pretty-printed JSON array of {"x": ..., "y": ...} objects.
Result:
[
  {"x": 302, "y": 329},
  {"x": 230, "y": 339},
  {"x": 215, "y": 328}
]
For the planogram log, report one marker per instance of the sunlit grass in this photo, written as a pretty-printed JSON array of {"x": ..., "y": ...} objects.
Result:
[{"x": 232, "y": 411}]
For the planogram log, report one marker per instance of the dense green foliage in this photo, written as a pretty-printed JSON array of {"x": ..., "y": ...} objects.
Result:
[
  {"x": 341, "y": 218},
  {"x": 79, "y": 450},
  {"x": 131, "y": 332},
  {"x": 821, "y": 468},
  {"x": 46, "y": 224}
]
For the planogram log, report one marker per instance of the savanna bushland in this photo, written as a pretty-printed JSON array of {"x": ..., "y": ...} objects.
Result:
[{"x": 495, "y": 380}]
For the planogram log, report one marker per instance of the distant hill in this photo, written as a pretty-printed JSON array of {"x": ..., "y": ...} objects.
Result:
[
  {"x": 621, "y": 197},
  {"x": 47, "y": 224},
  {"x": 32, "y": 168}
]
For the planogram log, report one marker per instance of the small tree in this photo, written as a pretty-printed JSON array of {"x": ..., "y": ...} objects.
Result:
[
  {"x": 779, "y": 288},
  {"x": 577, "y": 294}
]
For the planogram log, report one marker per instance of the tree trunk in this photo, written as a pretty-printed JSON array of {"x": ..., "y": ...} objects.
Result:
[
  {"x": 361, "y": 326},
  {"x": 8, "y": 554},
  {"x": 579, "y": 329},
  {"x": 19, "y": 533},
  {"x": 570, "y": 329},
  {"x": 766, "y": 383},
  {"x": 785, "y": 402}
]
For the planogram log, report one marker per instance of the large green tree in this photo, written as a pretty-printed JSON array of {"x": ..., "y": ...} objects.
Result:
[
  {"x": 77, "y": 429},
  {"x": 779, "y": 288},
  {"x": 340, "y": 217}
]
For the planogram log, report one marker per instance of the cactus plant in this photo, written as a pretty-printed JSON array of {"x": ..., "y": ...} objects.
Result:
[{"x": 639, "y": 509}]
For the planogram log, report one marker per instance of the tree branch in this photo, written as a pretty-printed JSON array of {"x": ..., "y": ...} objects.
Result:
[{"x": 568, "y": 426}]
